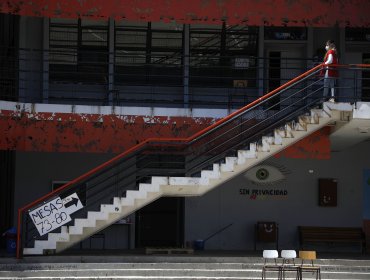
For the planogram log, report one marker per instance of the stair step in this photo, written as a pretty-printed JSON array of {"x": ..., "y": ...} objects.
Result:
[
  {"x": 108, "y": 208},
  {"x": 184, "y": 181},
  {"x": 33, "y": 251},
  {"x": 97, "y": 215},
  {"x": 168, "y": 266},
  {"x": 229, "y": 164},
  {"x": 136, "y": 193},
  {"x": 169, "y": 251}
]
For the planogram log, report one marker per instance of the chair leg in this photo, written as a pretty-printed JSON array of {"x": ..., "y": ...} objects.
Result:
[
  {"x": 280, "y": 274},
  {"x": 279, "y": 271}
]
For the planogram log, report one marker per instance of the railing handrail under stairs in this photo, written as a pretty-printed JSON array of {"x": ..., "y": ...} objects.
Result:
[{"x": 196, "y": 152}]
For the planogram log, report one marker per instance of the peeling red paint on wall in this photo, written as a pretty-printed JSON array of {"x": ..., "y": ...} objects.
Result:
[
  {"x": 249, "y": 12},
  {"x": 93, "y": 133},
  {"x": 67, "y": 132},
  {"x": 316, "y": 146}
]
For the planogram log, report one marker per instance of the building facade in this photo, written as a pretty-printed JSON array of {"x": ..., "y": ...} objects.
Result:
[{"x": 81, "y": 84}]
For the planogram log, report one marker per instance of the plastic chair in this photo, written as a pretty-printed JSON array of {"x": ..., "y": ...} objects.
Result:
[
  {"x": 269, "y": 255},
  {"x": 289, "y": 257},
  {"x": 310, "y": 256}
]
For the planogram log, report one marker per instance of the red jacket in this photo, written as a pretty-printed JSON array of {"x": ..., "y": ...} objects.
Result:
[{"x": 332, "y": 71}]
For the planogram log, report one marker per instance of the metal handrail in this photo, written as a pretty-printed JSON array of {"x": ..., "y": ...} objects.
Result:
[
  {"x": 167, "y": 143},
  {"x": 188, "y": 139},
  {"x": 70, "y": 77}
]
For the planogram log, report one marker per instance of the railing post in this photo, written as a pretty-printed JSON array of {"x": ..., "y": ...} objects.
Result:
[
  {"x": 355, "y": 86},
  {"x": 19, "y": 235},
  {"x": 260, "y": 61},
  {"x": 186, "y": 65},
  {"x": 45, "y": 62},
  {"x": 111, "y": 64}
]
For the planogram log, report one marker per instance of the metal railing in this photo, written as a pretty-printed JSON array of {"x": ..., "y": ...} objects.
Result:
[
  {"x": 182, "y": 156},
  {"x": 134, "y": 79},
  {"x": 187, "y": 156},
  {"x": 128, "y": 79}
]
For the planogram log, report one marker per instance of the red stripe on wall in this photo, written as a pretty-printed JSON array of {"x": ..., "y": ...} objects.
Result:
[
  {"x": 316, "y": 146},
  {"x": 250, "y": 12},
  {"x": 68, "y": 132}
]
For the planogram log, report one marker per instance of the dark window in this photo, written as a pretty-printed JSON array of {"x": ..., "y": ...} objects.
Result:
[
  {"x": 148, "y": 53},
  {"x": 78, "y": 51},
  {"x": 285, "y": 33},
  {"x": 220, "y": 55},
  {"x": 9, "y": 36},
  {"x": 357, "y": 34},
  {"x": 274, "y": 74}
]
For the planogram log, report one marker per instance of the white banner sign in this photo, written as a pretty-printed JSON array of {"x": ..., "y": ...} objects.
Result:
[{"x": 55, "y": 213}]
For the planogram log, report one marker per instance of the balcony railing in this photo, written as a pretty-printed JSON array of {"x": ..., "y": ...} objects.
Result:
[{"x": 131, "y": 79}]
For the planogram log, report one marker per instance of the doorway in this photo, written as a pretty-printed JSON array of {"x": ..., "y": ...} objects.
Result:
[
  {"x": 161, "y": 224},
  {"x": 283, "y": 62},
  {"x": 7, "y": 183}
]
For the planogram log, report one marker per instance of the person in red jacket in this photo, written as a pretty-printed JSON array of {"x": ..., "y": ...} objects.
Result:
[{"x": 330, "y": 73}]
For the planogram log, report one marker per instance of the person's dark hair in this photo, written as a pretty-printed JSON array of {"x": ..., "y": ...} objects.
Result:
[{"x": 331, "y": 44}]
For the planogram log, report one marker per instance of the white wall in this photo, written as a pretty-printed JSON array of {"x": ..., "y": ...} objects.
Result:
[{"x": 224, "y": 205}]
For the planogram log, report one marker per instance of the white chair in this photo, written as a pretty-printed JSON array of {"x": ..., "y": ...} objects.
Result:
[
  {"x": 289, "y": 257},
  {"x": 268, "y": 256}
]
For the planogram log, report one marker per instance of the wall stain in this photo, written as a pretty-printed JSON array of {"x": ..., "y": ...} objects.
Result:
[
  {"x": 68, "y": 132},
  {"x": 316, "y": 146},
  {"x": 92, "y": 133},
  {"x": 253, "y": 12}
]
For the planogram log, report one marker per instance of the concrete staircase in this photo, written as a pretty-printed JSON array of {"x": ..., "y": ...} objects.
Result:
[
  {"x": 136, "y": 267},
  {"x": 184, "y": 186}
]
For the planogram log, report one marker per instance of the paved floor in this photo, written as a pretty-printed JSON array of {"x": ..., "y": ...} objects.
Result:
[{"x": 137, "y": 255}]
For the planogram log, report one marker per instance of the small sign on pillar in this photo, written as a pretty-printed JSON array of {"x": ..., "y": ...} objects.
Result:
[{"x": 328, "y": 192}]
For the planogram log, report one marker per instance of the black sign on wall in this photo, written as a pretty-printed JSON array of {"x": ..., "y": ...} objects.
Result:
[{"x": 328, "y": 192}]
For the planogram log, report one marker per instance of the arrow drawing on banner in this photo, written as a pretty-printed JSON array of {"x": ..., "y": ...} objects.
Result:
[
  {"x": 72, "y": 204},
  {"x": 74, "y": 201}
]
